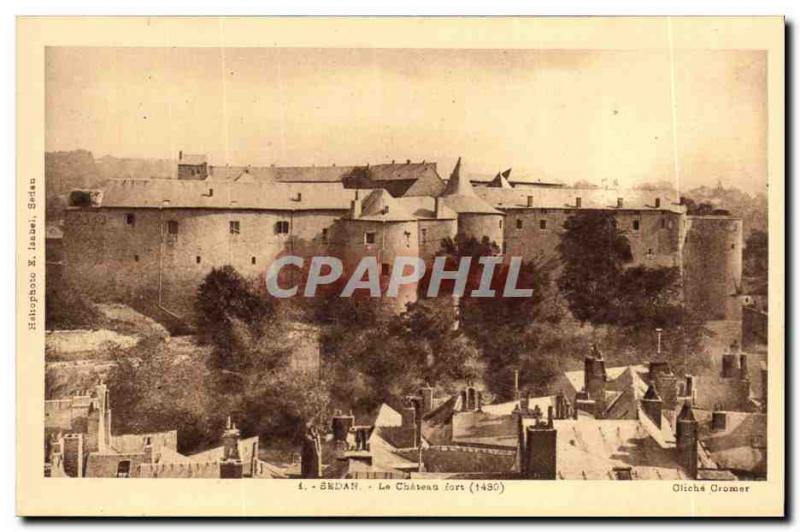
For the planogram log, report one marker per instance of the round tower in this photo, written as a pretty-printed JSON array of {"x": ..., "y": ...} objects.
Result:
[{"x": 476, "y": 218}]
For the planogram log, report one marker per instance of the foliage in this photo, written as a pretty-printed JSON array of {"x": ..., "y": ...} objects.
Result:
[
  {"x": 225, "y": 304},
  {"x": 594, "y": 253},
  {"x": 756, "y": 257},
  {"x": 66, "y": 308}
]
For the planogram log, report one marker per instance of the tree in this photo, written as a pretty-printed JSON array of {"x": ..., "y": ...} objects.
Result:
[
  {"x": 593, "y": 253},
  {"x": 756, "y": 258},
  {"x": 224, "y": 299}
]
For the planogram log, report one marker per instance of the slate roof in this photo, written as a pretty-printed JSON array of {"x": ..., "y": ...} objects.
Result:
[
  {"x": 590, "y": 449},
  {"x": 741, "y": 445},
  {"x": 175, "y": 193},
  {"x": 591, "y": 198},
  {"x": 424, "y": 208}
]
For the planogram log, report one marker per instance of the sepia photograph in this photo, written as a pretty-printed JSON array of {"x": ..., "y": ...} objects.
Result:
[{"x": 411, "y": 269}]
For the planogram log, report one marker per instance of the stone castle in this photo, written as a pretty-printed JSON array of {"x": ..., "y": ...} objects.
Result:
[{"x": 155, "y": 239}]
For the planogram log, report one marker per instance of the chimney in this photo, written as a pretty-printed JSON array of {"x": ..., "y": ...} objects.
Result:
[
  {"x": 689, "y": 392},
  {"x": 299, "y": 196},
  {"x": 718, "y": 420},
  {"x": 311, "y": 455},
  {"x": 340, "y": 426},
  {"x": 686, "y": 435},
  {"x": 578, "y": 202},
  {"x": 539, "y": 456},
  {"x": 594, "y": 375},
  {"x": 658, "y": 203},
  {"x": 516, "y": 385},
  {"x": 231, "y": 464},
  {"x": 471, "y": 398},
  {"x": 72, "y": 450},
  {"x": 363, "y": 433},
  {"x": 729, "y": 369},
  {"x": 652, "y": 405},
  {"x": 355, "y": 208},
  {"x": 180, "y": 155},
  {"x": 408, "y": 416},
  {"x": 408, "y": 161},
  {"x": 529, "y": 201},
  {"x": 619, "y": 203},
  {"x": 426, "y": 393},
  {"x": 437, "y": 208}
]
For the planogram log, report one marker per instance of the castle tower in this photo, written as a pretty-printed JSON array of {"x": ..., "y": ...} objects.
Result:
[
  {"x": 712, "y": 274},
  {"x": 476, "y": 218}
]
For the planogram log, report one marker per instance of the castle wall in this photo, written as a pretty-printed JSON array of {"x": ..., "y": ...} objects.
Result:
[
  {"x": 431, "y": 234},
  {"x": 655, "y": 243},
  {"x": 108, "y": 258}
]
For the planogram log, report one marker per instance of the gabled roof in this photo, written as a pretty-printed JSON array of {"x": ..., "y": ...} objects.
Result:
[
  {"x": 499, "y": 181},
  {"x": 380, "y": 206}
]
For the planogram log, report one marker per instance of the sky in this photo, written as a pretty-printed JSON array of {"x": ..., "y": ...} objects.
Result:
[{"x": 693, "y": 117}]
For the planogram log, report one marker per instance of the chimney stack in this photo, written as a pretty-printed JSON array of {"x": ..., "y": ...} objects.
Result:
[
  {"x": 658, "y": 203},
  {"x": 687, "y": 439},
  {"x": 426, "y": 393},
  {"x": 578, "y": 202},
  {"x": 231, "y": 464},
  {"x": 619, "y": 203},
  {"x": 311, "y": 455},
  {"x": 355, "y": 208},
  {"x": 729, "y": 369},
  {"x": 719, "y": 419},
  {"x": 340, "y": 426},
  {"x": 538, "y": 461},
  {"x": 180, "y": 155}
]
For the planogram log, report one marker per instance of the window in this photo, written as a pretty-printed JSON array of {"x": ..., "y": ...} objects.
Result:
[
  {"x": 542, "y": 224},
  {"x": 234, "y": 227},
  {"x": 252, "y": 260},
  {"x": 424, "y": 234},
  {"x": 130, "y": 219},
  {"x": 649, "y": 252},
  {"x": 210, "y": 192},
  {"x": 124, "y": 469},
  {"x": 501, "y": 223},
  {"x": 148, "y": 440},
  {"x": 519, "y": 223},
  {"x": 197, "y": 259},
  {"x": 325, "y": 234},
  {"x": 386, "y": 268},
  {"x": 636, "y": 225},
  {"x": 663, "y": 223},
  {"x": 369, "y": 238},
  {"x": 172, "y": 227},
  {"x": 136, "y": 258},
  {"x": 282, "y": 227}
]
